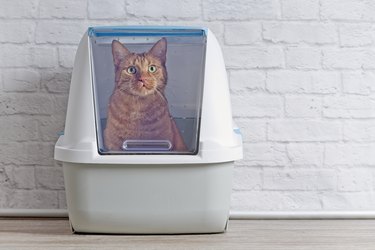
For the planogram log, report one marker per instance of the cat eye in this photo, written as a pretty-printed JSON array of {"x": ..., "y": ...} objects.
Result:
[
  {"x": 152, "y": 68},
  {"x": 131, "y": 70}
]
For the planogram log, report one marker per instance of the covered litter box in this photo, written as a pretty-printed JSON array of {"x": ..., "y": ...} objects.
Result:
[{"x": 149, "y": 143}]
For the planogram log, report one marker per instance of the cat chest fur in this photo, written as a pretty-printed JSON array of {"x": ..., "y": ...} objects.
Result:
[{"x": 140, "y": 117}]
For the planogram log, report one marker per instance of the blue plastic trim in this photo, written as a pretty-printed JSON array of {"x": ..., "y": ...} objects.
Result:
[
  {"x": 102, "y": 31},
  {"x": 237, "y": 131},
  {"x": 98, "y": 34}
]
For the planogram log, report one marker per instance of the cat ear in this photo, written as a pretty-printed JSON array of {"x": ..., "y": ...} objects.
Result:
[
  {"x": 160, "y": 49},
  {"x": 119, "y": 52}
]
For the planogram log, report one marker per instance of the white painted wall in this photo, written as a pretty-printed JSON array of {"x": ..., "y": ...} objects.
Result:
[{"x": 302, "y": 76}]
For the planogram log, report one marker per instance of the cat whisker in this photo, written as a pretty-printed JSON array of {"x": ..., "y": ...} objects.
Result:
[{"x": 159, "y": 92}]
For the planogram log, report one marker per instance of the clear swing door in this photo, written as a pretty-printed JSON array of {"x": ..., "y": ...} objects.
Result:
[{"x": 148, "y": 85}]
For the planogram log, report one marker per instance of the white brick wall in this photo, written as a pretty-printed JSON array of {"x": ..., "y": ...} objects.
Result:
[{"x": 302, "y": 78}]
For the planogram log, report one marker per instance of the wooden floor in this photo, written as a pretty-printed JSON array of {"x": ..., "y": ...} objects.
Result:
[{"x": 242, "y": 234}]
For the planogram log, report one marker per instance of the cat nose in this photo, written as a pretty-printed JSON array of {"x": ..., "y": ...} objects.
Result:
[{"x": 141, "y": 79}]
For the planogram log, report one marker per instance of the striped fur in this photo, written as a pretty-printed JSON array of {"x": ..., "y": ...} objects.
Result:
[{"x": 138, "y": 108}]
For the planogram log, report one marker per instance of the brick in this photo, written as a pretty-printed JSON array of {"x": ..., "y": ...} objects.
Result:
[
  {"x": 26, "y": 153},
  {"x": 348, "y": 201},
  {"x": 160, "y": 9},
  {"x": 275, "y": 201},
  {"x": 317, "y": 82},
  {"x": 299, "y": 180},
  {"x": 303, "y": 58},
  {"x": 33, "y": 199},
  {"x": 5, "y": 176},
  {"x": 264, "y": 154},
  {"x": 354, "y": 180},
  {"x": 247, "y": 178},
  {"x": 256, "y": 201},
  {"x": 358, "y": 82},
  {"x": 249, "y": 57},
  {"x": 246, "y": 80},
  {"x": 305, "y": 154},
  {"x": 350, "y": 154},
  {"x": 348, "y": 107},
  {"x": 14, "y": 56},
  {"x": 50, "y": 127},
  {"x": 295, "y": 33},
  {"x": 18, "y": 128},
  {"x": 243, "y": 33},
  {"x": 21, "y": 80},
  {"x": 304, "y": 131},
  {"x": 60, "y": 103},
  {"x": 349, "y": 58},
  {"x": 300, "y": 9},
  {"x": 17, "y": 31},
  {"x": 257, "y": 105},
  {"x": 66, "y": 56},
  {"x": 303, "y": 106},
  {"x": 24, "y": 177},
  {"x": 22, "y": 103},
  {"x": 4, "y": 194},
  {"x": 62, "y": 200},
  {"x": 60, "y": 32},
  {"x": 56, "y": 81},
  {"x": 359, "y": 131},
  {"x": 19, "y": 9},
  {"x": 355, "y": 35},
  {"x": 43, "y": 57},
  {"x": 49, "y": 178},
  {"x": 62, "y": 9},
  {"x": 252, "y": 130},
  {"x": 303, "y": 200},
  {"x": 240, "y": 10},
  {"x": 362, "y": 10},
  {"x": 21, "y": 56},
  {"x": 106, "y": 9}
]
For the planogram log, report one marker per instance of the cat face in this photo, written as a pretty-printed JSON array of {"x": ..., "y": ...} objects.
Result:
[{"x": 140, "y": 74}]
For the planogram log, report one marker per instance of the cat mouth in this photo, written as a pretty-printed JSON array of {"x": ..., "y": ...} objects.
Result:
[
  {"x": 142, "y": 89},
  {"x": 142, "y": 85}
]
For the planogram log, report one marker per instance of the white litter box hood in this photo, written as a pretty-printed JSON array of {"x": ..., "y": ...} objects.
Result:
[
  {"x": 219, "y": 140},
  {"x": 143, "y": 189}
]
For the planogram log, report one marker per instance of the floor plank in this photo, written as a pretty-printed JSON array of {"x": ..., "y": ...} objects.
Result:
[{"x": 242, "y": 234}]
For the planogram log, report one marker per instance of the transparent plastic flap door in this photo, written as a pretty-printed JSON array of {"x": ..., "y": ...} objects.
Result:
[{"x": 148, "y": 85}]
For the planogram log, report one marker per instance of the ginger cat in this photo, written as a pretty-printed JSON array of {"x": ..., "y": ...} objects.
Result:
[{"x": 138, "y": 108}]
